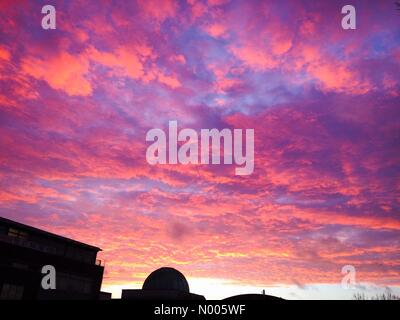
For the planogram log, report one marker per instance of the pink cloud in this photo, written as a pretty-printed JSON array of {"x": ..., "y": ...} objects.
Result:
[
  {"x": 76, "y": 105},
  {"x": 159, "y": 10},
  {"x": 63, "y": 72}
]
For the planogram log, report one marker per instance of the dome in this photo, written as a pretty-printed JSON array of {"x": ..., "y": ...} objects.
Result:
[{"x": 166, "y": 279}]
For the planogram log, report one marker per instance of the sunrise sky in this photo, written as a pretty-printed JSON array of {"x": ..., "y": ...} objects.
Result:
[{"x": 76, "y": 103}]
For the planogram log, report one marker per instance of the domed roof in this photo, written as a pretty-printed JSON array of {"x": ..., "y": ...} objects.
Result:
[{"x": 166, "y": 279}]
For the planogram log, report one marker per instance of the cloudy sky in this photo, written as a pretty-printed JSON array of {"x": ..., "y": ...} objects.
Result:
[{"x": 76, "y": 103}]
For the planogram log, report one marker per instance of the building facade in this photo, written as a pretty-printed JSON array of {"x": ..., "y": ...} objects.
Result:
[{"x": 24, "y": 251}]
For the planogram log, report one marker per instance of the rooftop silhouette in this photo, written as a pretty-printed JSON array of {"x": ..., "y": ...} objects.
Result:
[{"x": 166, "y": 279}]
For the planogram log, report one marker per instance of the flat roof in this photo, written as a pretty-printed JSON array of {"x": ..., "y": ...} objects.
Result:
[{"x": 46, "y": 233}]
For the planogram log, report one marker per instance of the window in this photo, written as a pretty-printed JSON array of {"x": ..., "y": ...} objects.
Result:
[
  {"x": 11, "y": 292},
  {"x": 12, "y": 232}
]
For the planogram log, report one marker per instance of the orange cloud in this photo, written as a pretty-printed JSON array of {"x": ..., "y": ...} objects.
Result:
[
  {"x": 4, "y": 54},
  {"x": 171, "y": 81},
  {"x": 64, "y": 72},
  {"x": 126, "y": 62},
  {"x": 255, "y": 57}
]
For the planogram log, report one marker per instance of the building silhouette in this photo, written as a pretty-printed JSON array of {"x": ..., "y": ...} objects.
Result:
[
  {"x": 253, "y": 297},
  {"x": 162, "y": 284},
  {"x": 24, "y": 250},
  {"x": 170, "y": 284}
]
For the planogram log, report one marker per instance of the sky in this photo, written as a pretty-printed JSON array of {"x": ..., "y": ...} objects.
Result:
[{"x": 76, "y": 104}]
